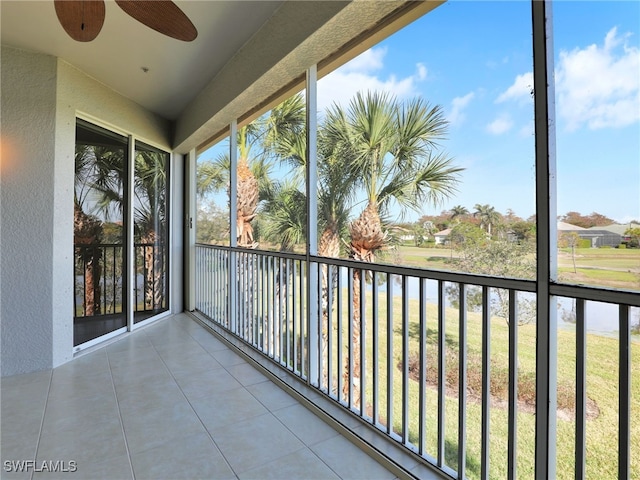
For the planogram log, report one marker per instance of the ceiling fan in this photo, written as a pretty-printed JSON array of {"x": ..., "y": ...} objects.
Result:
[{"x": 83, "y": 19}]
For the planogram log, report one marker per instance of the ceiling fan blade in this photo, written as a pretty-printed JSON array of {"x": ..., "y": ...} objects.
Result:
[
  {"x": 81, "y": 19},
  {"x": 163, "y": 16}
]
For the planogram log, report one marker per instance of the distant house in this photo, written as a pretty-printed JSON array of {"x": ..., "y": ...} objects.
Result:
[
  {"x": 618, "y": 228},
  {"x": 441, "y": 237},
  {"x": 598, "y": 236},
  {"x": 567, "y": 227}
]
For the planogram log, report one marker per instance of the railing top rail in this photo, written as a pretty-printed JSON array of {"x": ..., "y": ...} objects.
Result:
[
  {"x": 112, "y": 245},
  {"x": 254, "y": 251},
  {"x": 597, "y": 294},
  {"x": 455, "y": 277}
]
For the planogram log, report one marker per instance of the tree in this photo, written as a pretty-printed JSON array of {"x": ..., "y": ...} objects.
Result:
[
  {"x": 337, "y": 181},
  {"x": 586, "y": 221},
  {"x": 487, "y": 215},
  {"x": 458, "y": 212},
  {"x": 440, "y": 222},
  {"x": 499, "y": 258},
  {"x": 258, "y": 146},
  {"x": 212, "y": 224},
  {"x": 633, "y": 234},
  {"x": 570, "y": 240},
  {"x": 99, "y": 177},
  {"x": 467, "y": 233},
  {"x": 150, "y": 188},
  {"x": 393, "y": 147},
  {"x": 523, "y": 231}
]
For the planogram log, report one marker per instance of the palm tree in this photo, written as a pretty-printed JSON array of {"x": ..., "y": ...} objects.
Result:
[
  {"x": 286, "y": 206},
  {"x": 258, "y": 142},
  {"x": 458, "y": 211},
  {"x": 487, "y": 215},
  {"x": 393, "y": 147},
  {"x": 150, "y": 222},
  {"x": 99, "y": 177}
]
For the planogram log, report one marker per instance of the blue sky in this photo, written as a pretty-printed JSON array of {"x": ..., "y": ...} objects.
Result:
[{"x": 474, "y": 59}]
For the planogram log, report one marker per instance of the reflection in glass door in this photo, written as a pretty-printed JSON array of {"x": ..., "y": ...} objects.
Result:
[
  {"x": 114, "y": 275},
  {"x": 99, "y": 233},
  {"x": 151, "y": 289}
]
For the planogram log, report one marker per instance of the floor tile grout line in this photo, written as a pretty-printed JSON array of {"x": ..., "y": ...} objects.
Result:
[
  {"x": 304, "y": 444},
  {"x": 308, "y": 403},
  {"x": 124, "y": 433},
  {"x": 269, "y": 410},
  {"x": 191, "y": 406},
  {"x": 44, "y": 412}
]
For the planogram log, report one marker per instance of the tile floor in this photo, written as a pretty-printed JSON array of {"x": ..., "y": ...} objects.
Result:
[{"x": 168, "y": 401}]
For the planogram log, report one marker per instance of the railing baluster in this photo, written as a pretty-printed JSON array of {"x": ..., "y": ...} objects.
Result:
[
  {"x": 340, "y": 334},
  {"x": 486, "y": 383},
  {"x": 405, "y": 361},
  {"x": 441, "y": 373},
  {"x": 624, "y": 389},
  {"x": 294, "y": 361},
  {"x": 422, "y": 377},
  {"x": 331, "y": 271},
  {"x": 349, "y": 387},
  {"x": 375, "y": 359},
  {"x": 281, "y": 317},
  {"x": 462, "y": 381},
  {"x": 581, "y": 383},
  {"x": 390, "y": 367},
  {"x": 289, "y": 269},
  {"x": 303, "y": 323},
  {"x": 513, "y": 386},
  {"x": 103, "y": 259},
  {"x": 363, "y": 344},
  {"x": 271, "y": 312}
]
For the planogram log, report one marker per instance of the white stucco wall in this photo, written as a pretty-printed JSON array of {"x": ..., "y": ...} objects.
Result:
[
  {"x": 41, "y": 97},
  {"x": 27, "y": 183}
]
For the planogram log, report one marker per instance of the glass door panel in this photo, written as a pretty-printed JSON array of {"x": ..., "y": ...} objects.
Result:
[
  {"x": 151, "y": 289},
  {"x": 99, "y": 233}
]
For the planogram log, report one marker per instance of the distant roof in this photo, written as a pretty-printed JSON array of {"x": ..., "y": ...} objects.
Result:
[
  {"x": 617, "y": 228},
  {"x": 563, "y": 226},
  {"x": 596, "y": 232},
  {"x": 442, "y": 233}
]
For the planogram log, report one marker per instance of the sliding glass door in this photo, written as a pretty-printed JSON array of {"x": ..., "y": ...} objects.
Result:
[
  {"x": 99, "y": 233},
  {"x": 151, "y": 267},
  {"x": 121, "y": 276}
]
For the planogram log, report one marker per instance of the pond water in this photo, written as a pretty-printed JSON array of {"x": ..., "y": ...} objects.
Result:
[{"x": 601, "y": 318}]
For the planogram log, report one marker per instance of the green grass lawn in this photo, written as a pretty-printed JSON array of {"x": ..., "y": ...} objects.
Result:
[
  {"x": 602, "y": 267},
  {"x": 602, "y": 375}
]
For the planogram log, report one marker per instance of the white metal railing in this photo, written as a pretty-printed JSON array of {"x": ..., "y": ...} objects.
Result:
[{"x": 412, "y": 343}]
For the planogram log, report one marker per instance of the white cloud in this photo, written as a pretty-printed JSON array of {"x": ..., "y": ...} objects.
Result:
[
  {"x": 599, "y": 85},
  {"x": 500, "y": 125},
  {"x": 368, "y": 61},
  {"x": 520, "y": 90},
  {"x": 362, "y": 74},
  {"x": 456, "y": 114}
]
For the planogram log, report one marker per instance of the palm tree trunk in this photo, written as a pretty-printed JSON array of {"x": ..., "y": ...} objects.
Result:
[
  {"x": 367, "y": 237},
  {"x": 354, "y": 360},
  {"x": 328, "y": 246},
  {"x": 87, "y": 232},
  {"x": 92, "y": 271},
  {"x": 153, "y": 271}
]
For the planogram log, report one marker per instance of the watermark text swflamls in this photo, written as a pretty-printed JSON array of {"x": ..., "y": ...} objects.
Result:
[{"x": 58, "y": 466}]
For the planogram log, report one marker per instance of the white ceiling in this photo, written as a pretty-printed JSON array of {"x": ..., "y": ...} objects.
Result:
[{"x": 177, "y": 71}]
